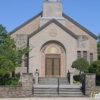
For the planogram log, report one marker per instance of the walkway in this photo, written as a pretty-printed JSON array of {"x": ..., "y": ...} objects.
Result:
[{"x": 48, "y": 99}]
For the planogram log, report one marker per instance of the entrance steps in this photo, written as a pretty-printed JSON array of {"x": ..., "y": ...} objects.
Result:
[
  {"x": 53, "y": 81},
  {"x": 52, "y": 91},
  {"x": 48, "y": 87}
]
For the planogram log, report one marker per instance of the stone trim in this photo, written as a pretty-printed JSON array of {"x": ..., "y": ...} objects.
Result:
[{"x": 43, "y": 56}]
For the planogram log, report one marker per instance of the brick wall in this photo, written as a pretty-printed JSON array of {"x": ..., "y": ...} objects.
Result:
[
  {"x": 18, "y": 91},
  {"x": 89, "y": 85},
  {"x": 97, "y": 89}
]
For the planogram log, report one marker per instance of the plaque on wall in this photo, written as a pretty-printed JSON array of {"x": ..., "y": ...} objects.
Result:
[
  {"x": 83, "y": 42},
  {"x": 21, "y": 40},
  {"x": 53, "y": 32}
]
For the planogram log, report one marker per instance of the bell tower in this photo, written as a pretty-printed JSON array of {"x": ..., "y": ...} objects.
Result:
[{"x": 52, "y": 9}]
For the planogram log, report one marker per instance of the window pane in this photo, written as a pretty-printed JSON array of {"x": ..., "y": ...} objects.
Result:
[
  {"x": 85, "y": 54},
  {"x": 78, "y": 54},
  {"x": 91, "y": 57}
]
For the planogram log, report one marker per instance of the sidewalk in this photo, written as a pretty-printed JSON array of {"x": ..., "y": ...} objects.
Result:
[{"x": 48, "y": 99}]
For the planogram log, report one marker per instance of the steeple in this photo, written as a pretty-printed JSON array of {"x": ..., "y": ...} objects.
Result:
[{"x": 52, "y": 8}]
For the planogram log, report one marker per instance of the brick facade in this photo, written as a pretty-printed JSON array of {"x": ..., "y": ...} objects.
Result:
[{"x": 51, "y": 27}]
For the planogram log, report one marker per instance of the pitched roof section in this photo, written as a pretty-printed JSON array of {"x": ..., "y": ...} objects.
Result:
[
  {"x": 80, "y": 26},
  {"x": 57, "y": 23},
  {"x": 25, "y": 23},
  {"x": 64, "y": 15}
]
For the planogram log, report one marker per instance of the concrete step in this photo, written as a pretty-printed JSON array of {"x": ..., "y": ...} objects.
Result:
[
  {"x": 52, "y": 91},
  {"x": 55, "y": 86},
  {"x": 52, "y": 81},
  {"x": 60, "y": 95},
  {"x": 55, "y": 90}
]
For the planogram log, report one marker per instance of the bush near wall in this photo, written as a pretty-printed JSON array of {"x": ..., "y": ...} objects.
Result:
[
  {"x": 95, "y": 68},
  {"x": 98, "y": 80}
]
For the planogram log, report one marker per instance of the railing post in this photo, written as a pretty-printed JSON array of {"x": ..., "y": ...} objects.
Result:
[
  {"x": 71, "y": 78},
  {"x": 36, "y": 76},
  {"x": 58, "y": 87}
]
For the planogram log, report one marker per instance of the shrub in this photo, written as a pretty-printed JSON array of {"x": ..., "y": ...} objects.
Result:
[
  {"x": 9, "y": 81},
  {"x": 76, "y": 77},
  {"x": 81, "y": 64},
  {"x": 98, "y": 80},
  {"x": 95, "y": 68}
]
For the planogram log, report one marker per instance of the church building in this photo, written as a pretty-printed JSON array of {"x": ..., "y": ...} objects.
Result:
[{"x": 58, "y": 40}]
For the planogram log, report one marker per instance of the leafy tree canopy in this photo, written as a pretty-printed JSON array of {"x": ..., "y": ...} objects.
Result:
[
  {"x": 95, "y": 67},
  {"x": 3, "y": 32},
  {"x": 81, "y": 64},
  {"x": 10, "y": 55},
  {"x": 98, "y": 46}
]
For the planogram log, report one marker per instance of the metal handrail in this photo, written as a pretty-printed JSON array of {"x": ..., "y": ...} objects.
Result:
[{"x": 58, "y": 87}]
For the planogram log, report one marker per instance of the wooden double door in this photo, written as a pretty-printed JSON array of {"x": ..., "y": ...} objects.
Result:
[{"x": 52, "y": 66}]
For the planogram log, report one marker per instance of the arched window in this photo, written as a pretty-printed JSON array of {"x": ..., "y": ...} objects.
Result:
[{"x": 53, "y": 50}]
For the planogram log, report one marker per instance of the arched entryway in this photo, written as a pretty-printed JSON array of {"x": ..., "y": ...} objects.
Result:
[{"x": 52, "y": 60}]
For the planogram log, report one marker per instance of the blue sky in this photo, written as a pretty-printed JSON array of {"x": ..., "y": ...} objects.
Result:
[{"x": 15, "y": 12}]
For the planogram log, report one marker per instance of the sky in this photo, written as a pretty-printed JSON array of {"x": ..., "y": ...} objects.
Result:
[{"x": 15, "y": 12}]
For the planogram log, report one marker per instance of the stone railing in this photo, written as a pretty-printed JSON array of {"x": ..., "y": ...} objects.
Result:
[{"x": 18, "y": 91}]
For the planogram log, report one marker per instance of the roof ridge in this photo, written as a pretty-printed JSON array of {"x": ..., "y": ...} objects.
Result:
[
  {"x": 80, "y": 26},
  {"x": 57, "y": 23}
]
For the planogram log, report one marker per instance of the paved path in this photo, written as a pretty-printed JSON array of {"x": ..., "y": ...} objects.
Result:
[{"x": 48, "y": 99}]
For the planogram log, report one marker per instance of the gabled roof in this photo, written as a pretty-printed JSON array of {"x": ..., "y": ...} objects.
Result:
[
  {"x": 65, "y": 16},
  {"x": 25, "y": 23},
  {"x": 58, "y": 24},
  {"x": 80, "y": 26}
]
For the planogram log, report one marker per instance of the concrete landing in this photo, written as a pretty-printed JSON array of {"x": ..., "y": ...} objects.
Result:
[{"x": 60, "y": 86}]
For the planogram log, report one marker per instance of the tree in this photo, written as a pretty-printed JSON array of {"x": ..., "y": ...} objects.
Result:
[
  {"x": 3, "y": 32},
  {"x": 95, "y": 67},
  {"x": 81, "y": 64},
  {"x": 10, "y": 55},
  {"x": 98, "y": 46},
  {"x": 6, "y": 66}
]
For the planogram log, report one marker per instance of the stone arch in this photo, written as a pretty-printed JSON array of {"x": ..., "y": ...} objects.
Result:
[
  {"x": 53, "y": 48},
  {"x": 56, "y": 42}
]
